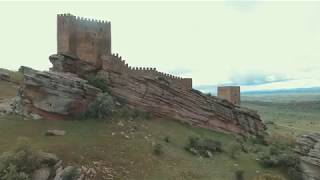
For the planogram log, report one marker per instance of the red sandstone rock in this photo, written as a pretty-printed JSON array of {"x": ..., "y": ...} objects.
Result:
[{"x": 163, "y": 97}]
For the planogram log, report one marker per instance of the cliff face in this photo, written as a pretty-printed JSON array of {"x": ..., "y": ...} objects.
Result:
[
  {"x": 53, "y": 95},
  {"x": 161, "y": 97},
  {"x": 308, "y": 147}
]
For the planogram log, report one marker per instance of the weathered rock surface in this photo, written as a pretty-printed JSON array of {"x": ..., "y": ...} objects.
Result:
[
  {"x": 4, "y": 75},
  {"x": 41, "y": 174},
  {"x": 54, "y": 95},
  {"x": 308, "y": 147},
  {"x": 64, "y": 63},
  {"x": 55, "y": 132},
  {"x": 161, "y": 97}
]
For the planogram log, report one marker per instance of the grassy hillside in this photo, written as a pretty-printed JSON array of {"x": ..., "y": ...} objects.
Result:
[{"x": 126, "y": 147}]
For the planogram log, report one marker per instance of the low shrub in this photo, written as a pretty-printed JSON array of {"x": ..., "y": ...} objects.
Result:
[
  {"x": 101, "y": 108},
  {"x": 167, "y": 139},
  {"x": 158, "y": 149},
  {"x": 278, "y": 157},
  {"x": 268, "y": 177},
  {"x": 239, "y": 175},
  {"x": 280, "y": 153},
  {"x": 233, "y": 149},
  {"x": 19, "y": 163},
  {"x": 283, "y": 140},
  {"x": 126, "y": 112},
  {"x": 203, "y": 147},
  {"x": 99, "y": 82},
  {"x": 258, "y": 140},
  {"x": 72, "y": 174}
]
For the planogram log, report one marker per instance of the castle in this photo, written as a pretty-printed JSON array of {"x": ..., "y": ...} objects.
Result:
[{"x": 90, "y": 41}]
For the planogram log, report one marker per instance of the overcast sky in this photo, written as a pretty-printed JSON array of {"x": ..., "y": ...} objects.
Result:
[{"x": 258, "y": 45}]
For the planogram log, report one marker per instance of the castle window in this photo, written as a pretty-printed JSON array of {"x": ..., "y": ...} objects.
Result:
[
  {"x": 100, "y": 29},
  {"x": 92, "y": 44}
]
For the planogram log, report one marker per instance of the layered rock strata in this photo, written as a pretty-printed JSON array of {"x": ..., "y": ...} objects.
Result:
[
  {"x": 308, "y": 148},
  {"x": 54, "y": 95},
  {"x": 161, "y": 97}
]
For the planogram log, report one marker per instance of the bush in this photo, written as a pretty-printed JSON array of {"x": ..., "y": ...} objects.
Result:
[
  {"x": 268, "y": 177},
  {"x": 71, "y": 174},
  {"x": 280, "y": 154},
  {"x": 239, "y": 175},
  {"x": 258, "y": 140},
  {"x": 167, "y": 139},
  {"x": 158, "y": 149},
  {"x": 281, "y": 140},
  {"x": 278, "y": 157},
  {"x": 99, "y": 82},
  {"x": 19, "y": 163},
  {"x": 130, "y": 113},
  {"x": 203, "y": 147},
  {"x": 233, "y": 149},
  {"x": 101, "y": 108}
]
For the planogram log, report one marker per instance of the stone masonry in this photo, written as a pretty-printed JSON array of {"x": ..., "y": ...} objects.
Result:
[{"x": 230, "y": 93}]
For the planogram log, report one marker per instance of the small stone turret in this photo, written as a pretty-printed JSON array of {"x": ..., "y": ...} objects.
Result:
[{"x": 230, "y": 93}]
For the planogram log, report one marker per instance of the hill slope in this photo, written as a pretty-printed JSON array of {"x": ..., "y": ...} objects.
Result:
[{"x": 125, "y": 147}]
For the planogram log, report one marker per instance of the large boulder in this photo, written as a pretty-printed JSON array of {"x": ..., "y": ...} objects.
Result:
[
  {"x": 54, "y": 95},
  {"x": 69, "y": 64},
  {"x": 308, "y": 148},
  {"x": 4, "y": 75}
]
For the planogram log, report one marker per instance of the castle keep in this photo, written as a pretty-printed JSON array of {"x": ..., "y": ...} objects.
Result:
[
  {"x": 84, "y": 38},
  {"x": 90, "y": 41}
]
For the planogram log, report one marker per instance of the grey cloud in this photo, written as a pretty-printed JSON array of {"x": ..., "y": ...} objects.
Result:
[{"x": 253, "y": 79}]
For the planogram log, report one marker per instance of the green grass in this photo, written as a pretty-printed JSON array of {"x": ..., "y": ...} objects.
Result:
[{"x": 132, "y": 158}]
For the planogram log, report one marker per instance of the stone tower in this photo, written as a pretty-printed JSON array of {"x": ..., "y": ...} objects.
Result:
[
  {"x": 230, "y": 93},
  {"x": 83, "y": 38}
]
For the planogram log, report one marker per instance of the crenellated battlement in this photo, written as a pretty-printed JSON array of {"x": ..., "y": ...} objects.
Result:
[
  {"x": 115, "y": 63},
  {"x": 83, "y": 19}
]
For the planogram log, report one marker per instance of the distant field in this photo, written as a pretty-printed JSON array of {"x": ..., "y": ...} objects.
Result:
[
  {"x": 293, "y": 113},
  {"x": 282, "y": 97}
]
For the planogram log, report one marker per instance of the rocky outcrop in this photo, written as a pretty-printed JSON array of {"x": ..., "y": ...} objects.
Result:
[
  {"x": 54, "y": 95},
  {"x": 67, "y": 63},
  {"x": 308, "y": 148},
  {"x": 4, "y": 75},
  {"x": 161, "y": 97}
]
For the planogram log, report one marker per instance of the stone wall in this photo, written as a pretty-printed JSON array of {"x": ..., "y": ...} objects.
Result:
[
  {"x": 116, "y": 64},
  {"x": 230, "y": 93}
]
